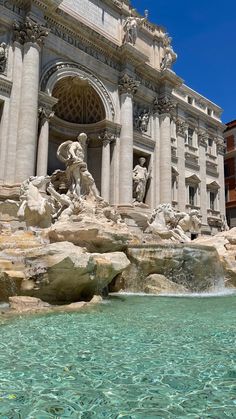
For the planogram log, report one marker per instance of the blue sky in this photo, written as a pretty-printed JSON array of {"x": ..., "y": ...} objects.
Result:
[{"x": 204, "y": 37}]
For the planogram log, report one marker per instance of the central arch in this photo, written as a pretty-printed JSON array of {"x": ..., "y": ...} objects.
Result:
[{"x": 84, "y": 105}]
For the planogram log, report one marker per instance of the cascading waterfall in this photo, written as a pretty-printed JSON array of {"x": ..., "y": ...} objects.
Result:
[{"x": 195, "y": 267}]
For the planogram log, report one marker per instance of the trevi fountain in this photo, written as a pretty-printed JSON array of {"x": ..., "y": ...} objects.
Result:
[{"x": 103, "y": 319}]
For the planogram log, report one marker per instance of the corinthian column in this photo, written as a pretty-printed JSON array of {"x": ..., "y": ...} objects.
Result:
[
  {"x": 181, "y": 131},
  {"x": 42, "y": 155},
  {"x": 14, "y": 113},
  {"x": 31, "y": 35},
  {"x": 128, "y": 88},
  {"x": 106, "y": 139},
  {"x": 165, "y": 107}
]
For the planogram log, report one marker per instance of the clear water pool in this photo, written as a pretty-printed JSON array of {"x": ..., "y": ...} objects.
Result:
[{"x": 133, "y": 357}]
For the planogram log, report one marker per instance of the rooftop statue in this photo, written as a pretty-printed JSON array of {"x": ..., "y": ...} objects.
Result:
[
  {"x": 131, "y": 25},
  {"x": 169, "y": 55}
]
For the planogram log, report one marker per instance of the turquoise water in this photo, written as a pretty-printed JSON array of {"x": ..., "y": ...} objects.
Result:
[{"x": 133, "y": 357}]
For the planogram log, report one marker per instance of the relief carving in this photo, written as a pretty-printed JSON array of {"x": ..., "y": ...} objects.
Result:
[{"x": 3, "y": 57}]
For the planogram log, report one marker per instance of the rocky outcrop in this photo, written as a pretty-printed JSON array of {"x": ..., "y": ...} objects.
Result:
[
  {"x": 196, "y": 268},
  {"x": 225, "y": 245},
  {"x": 159, "y": 284},
  {"x": 32, "y": 305},
  {"x": 94, "y": 234},
  {"x": 57, "y": 273}
]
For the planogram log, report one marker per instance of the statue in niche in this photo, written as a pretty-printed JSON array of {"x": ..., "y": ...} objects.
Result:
[
  {"x": 131, "y": 25},
  {"x": 3, "y": 57},
  {"x": 169, "y": 55},
  {"x": 140, "y": 178},
  {"x": 80, "y": 179}
]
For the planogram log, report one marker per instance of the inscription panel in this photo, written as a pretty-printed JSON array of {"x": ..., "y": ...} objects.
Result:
[{"x": 94, "y": 12}]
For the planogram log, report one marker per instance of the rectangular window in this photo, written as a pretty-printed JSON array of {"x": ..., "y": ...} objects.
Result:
[
  {"x": 190, "y": 137},
  {"x": 192, "y": 193},
  {"x": 212, "y": 200}
]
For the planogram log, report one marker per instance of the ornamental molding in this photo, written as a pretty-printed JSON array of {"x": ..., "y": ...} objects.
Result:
[
  {"x": 66, "y": 69},
  {"x": 29, "y": 31},
  {"x": 128, "y": 85}
]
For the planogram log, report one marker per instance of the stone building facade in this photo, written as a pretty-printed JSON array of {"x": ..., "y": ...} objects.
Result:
[
  {"x": 230, "y": 172},
  {"x": 96, "y": 66}
]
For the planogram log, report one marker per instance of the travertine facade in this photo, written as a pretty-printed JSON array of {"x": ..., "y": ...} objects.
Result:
[
  {"x": 230, "y": 172},
  {"x": 95, "y": 66}
]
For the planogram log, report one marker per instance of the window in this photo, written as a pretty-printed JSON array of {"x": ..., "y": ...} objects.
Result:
[
  {"x": 212, "y": 200},
  {"x": 226, "y": 170},
  {"x": 190, "y": 137},
  {"x": 210, "y": 145},
  {"x": 190, "y": 100},
  {"x": 210, "y": 142},
  {"x": 192, "y": 193},
  {"x": 209, "y": 111}
]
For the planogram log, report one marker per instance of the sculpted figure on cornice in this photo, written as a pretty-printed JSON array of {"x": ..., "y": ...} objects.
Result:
[
  {"x": 29, "y": 31},
  {"x": 130, "y": 26},
  {"x": 141, "y": 120},
  {"x": 181, "y": 127},
  {"x": 128, "y": 85},
  {"x": 169, "y": 55},
  {"x": 3, "y": 57}
]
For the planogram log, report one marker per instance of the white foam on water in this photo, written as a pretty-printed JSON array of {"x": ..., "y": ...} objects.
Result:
[
  {"x": 4, "y": 305},
  {"x": 216, "y": 293}
]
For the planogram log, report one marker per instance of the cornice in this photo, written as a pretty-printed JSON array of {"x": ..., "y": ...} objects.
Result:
[{"x": 198, "y": 113}]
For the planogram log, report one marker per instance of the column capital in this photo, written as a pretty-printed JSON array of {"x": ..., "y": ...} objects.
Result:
[
  {"x": 45, "y": 113},
  {"x": 128, "y": 85},
  {"x": 202, "y": 137},
  {"x": 29, "y": 31},
  {"x": 165, "y": 104},
  {"x": 220, "y": 145},
  {"x": 106, "y": 137}
]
